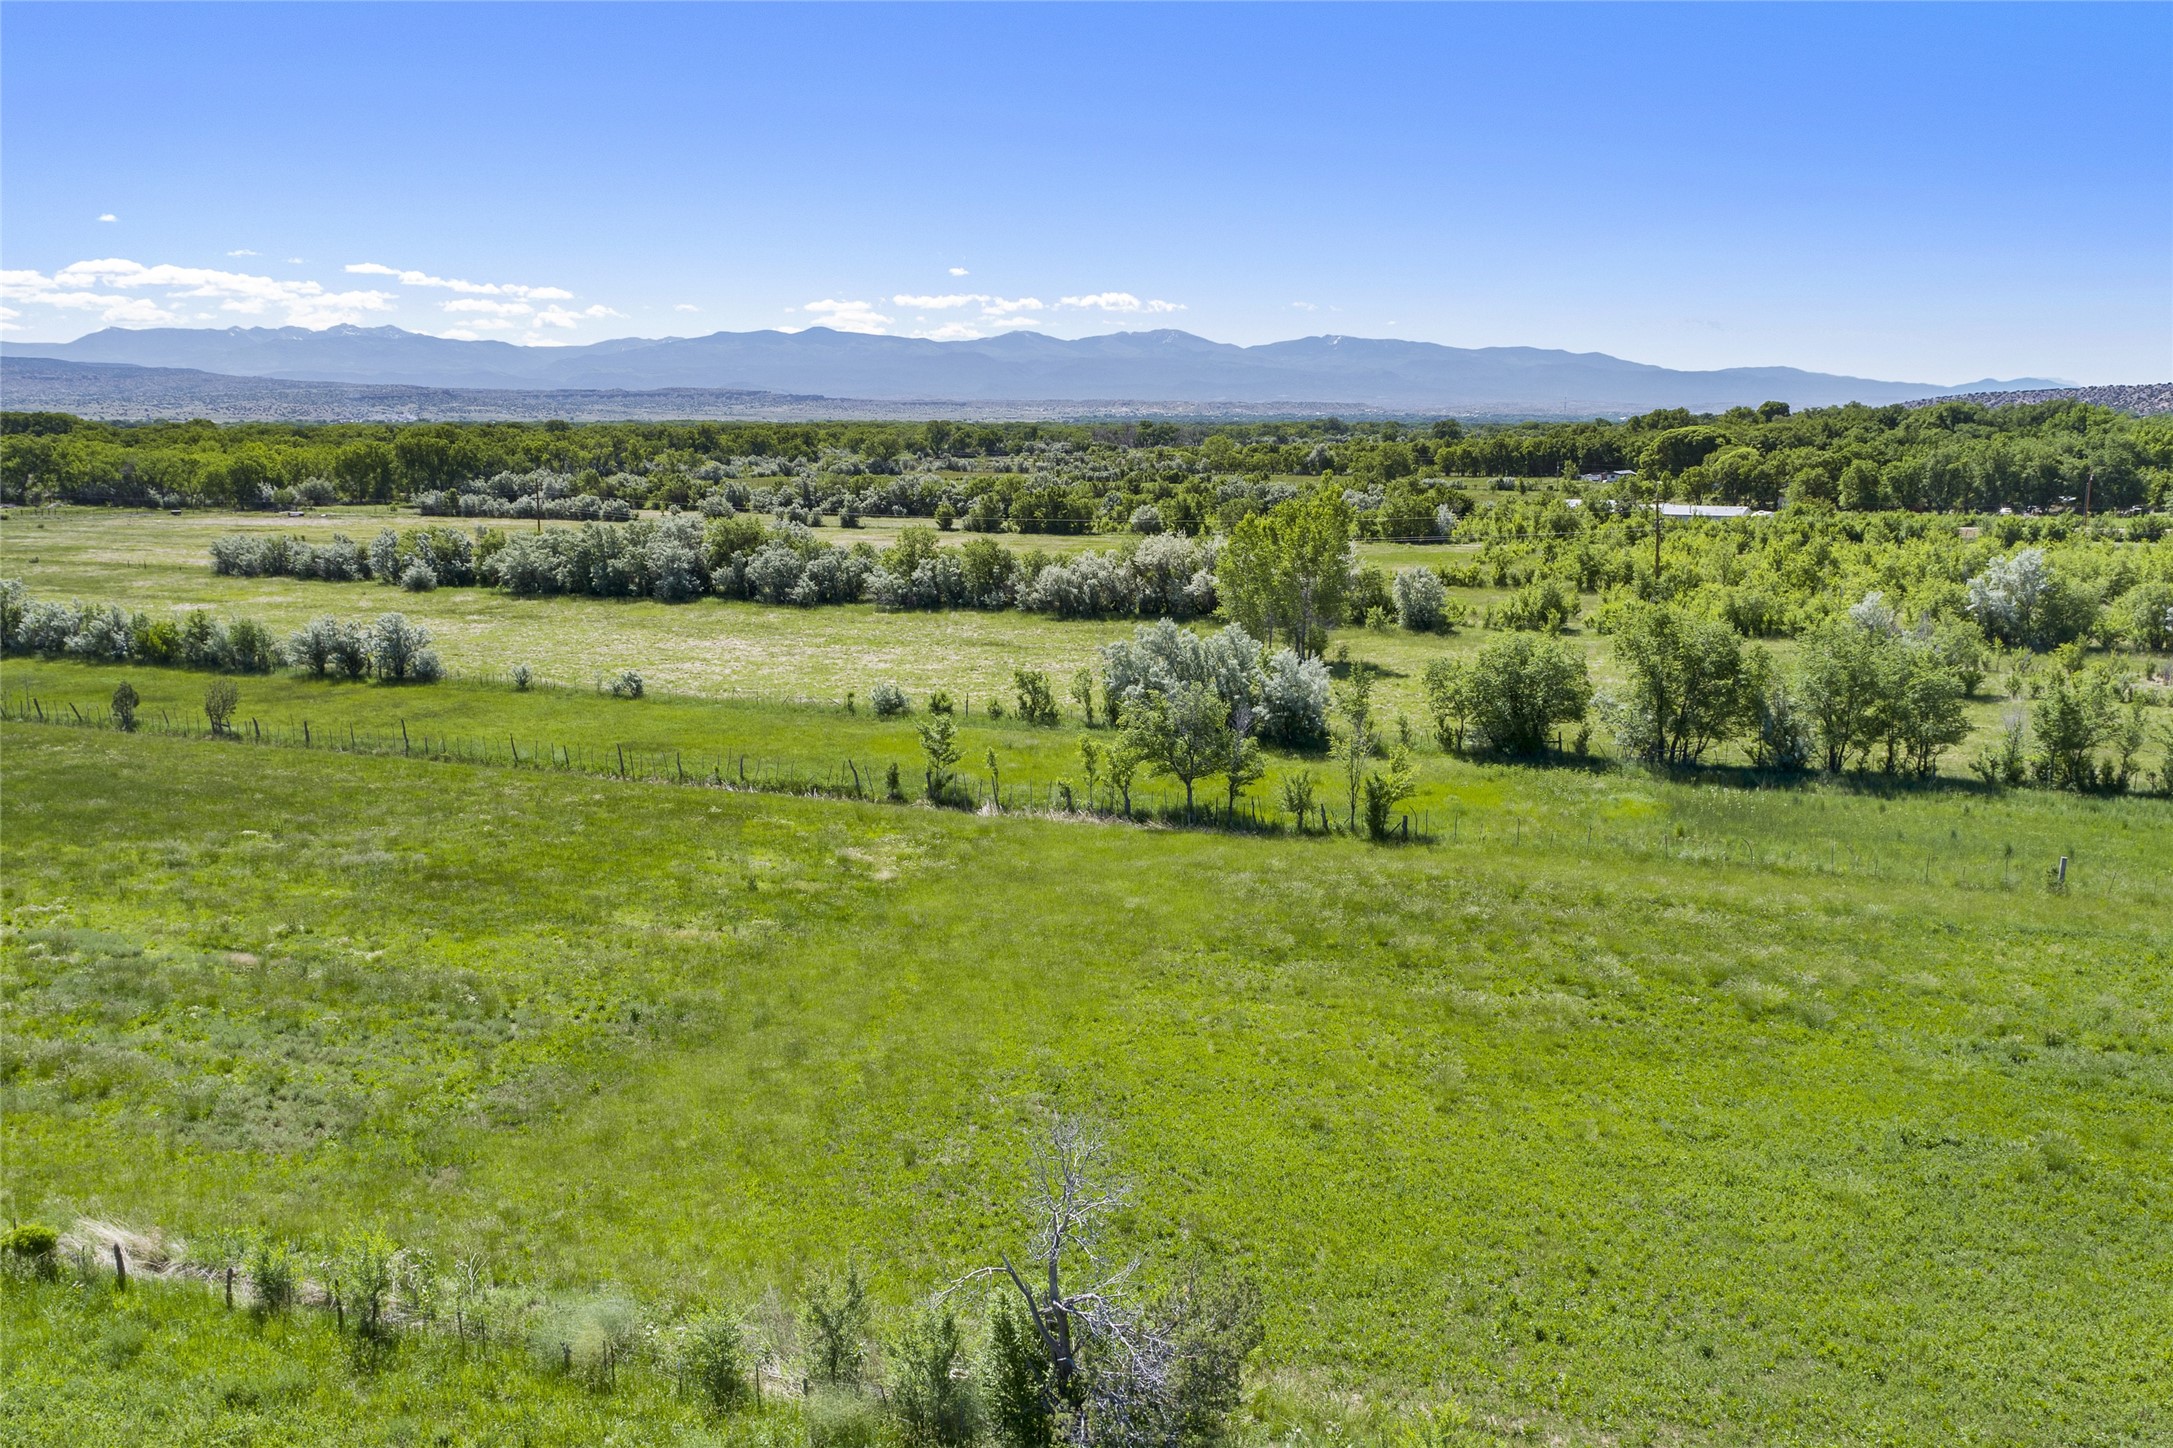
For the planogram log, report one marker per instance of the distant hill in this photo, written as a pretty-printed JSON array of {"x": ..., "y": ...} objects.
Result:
[
  {"x": 2142, "y": 399},
  {"x": 119, "y": 392},
  {"x": 1137, "y": 368}
]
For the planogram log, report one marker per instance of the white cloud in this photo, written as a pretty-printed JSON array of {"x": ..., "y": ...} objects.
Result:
[
  {"x": 294, "y": 261},
  {"x": 561, "y": 317},
  {"x": 241, "y": 251},
  {"x": 101, "y": 286},
  {"x": 1305, "y": 306},
  {"x": 455, "y": 284},
  {"x": 685, "y": 307},
  {"x": 958, "y": 271},
  {"x": 487, "y": 307},
  {"x": 109, "y": 216},
  {"x": 1119, "y": 302},
  {"x": 848, "y": 316},
  {"x": 951, "y": 332}
]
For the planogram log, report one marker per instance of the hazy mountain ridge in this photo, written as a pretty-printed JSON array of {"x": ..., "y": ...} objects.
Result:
[
  {"x": 121, "y": 392},
  {"x": 1164, "y": 366}
]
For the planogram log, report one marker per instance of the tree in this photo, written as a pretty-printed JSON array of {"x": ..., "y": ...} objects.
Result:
[
  {"x": 939, "y": 741},
  {"x": 1297, "y": 792},
  {"x": 1354, "y": 737},
  {"x": 1511, "y": 694},
  {"x": 220, "y": 701},
  {"x": 1082, "y": 694},
  {"x": 1184, "y": 734},
  {"x": 1288, "y": 570},
  {"x": 1691, "y": 685},
  {"x": 1242, "y": 767},
  {"x": 125, "y": 700},
  {"x": 1385, "y": 789},
  {"x": 399, "y": 650},
  {"x": 1109, "y": 1369},
  {"x": 1840, "y": 688},
  {"x": 2070, "y": 720}
]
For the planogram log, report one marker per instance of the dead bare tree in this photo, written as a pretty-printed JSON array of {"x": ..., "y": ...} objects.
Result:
[{"x": 1109, "y": 1362}]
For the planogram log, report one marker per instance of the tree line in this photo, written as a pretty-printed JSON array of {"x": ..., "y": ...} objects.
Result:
[{"x": 1951, "y": 456}]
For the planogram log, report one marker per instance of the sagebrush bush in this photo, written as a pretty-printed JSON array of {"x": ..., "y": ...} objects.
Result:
[{"x": 887, "y": 700}]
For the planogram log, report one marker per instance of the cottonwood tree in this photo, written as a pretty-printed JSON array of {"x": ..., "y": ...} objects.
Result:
[
  {"x": 1184, "y": 734},
  {"x": 1288, "y": 571},
  {"x": 1691, "y": 685}
]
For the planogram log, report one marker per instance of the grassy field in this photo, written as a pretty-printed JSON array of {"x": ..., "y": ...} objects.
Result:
[
  {"x": 1617, "y": 1109},
  {"x": 1589, "y": 1138}
]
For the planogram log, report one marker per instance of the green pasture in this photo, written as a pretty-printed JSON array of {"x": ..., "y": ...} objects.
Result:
[{"x": 1598, "y": 1138}]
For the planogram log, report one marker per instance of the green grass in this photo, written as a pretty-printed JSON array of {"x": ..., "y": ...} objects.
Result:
[{"x": 1607, "y": 1138}]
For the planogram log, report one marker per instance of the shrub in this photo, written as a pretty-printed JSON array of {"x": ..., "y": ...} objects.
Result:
[
  {"x": 1294, "y": 701},
  {"x": 125, "y": 700},
  {"x": 835, "y": 1327},
  {"x": 400, "y": 651},
  {"x": 1384, "y": 790},
  {"x": 1037, "y": 702},
  {"x": 250, "y": 648},
  {"x": 716, "y": 1362},
  {"x": 1509, "y": 696},
  {"x": 418, "y": 577},
  {"x": 1420, "y": 599},
  {"x": 625, "y": 685},
  {"x": 940, "y": 702},
  {"x": 1218, "y": 1327},
  {"x": 2021, "y": 600},
  {"x": 326, "y": 645},
  {"x": 1545, "y": 605},
  {"x": 932, "y": 1399},
  {"x": 1297, "y": 795},
  {"x": 523, "y": 676},
  {"x": 1018, "y": 1379},
  {"x": 272, "y": 1273},
  {"x": 220, "y": 701},
  {"x": 31, "y": 1247},
  {"x": 887, "y": 700}
]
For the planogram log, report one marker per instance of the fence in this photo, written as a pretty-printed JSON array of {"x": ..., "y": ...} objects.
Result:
[{"x": 1952, "y": 867}]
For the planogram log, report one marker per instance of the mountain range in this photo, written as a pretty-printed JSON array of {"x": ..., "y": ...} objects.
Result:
[{"x": 1128, "y": 368}]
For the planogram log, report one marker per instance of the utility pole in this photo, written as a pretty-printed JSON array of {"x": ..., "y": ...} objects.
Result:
[
  {"x": 1656, "y": 516},
  {"x": 2087, "y": 479}
]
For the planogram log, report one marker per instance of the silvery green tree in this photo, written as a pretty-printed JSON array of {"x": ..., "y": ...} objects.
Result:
[
  {"x": 1419, "y": 599},
  {"x": 400, "y": 651}
]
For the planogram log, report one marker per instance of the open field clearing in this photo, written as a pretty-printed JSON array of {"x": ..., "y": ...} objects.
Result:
[{"x": 1589, "y": 1140}]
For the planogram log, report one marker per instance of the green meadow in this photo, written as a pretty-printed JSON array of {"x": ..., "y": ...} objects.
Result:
[{"x": 1615, "y": 1107}]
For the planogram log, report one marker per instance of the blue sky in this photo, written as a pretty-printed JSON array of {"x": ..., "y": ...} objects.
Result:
[{"x": 1933, "y": 194}]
